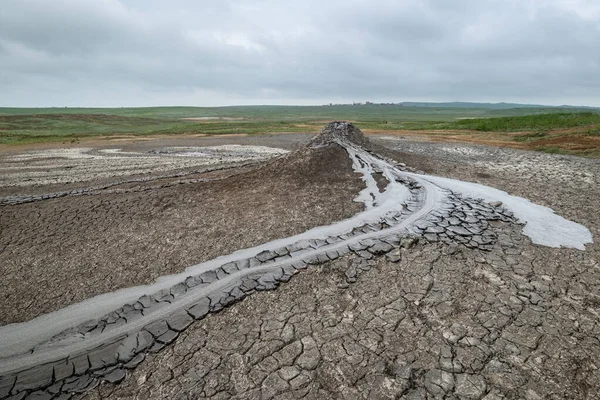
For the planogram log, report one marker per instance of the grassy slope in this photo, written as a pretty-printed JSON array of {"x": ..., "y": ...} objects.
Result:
[
  {"x": 513, "y": 126},
  {"x": 566, "y": 132},
  {"x": 541, "y": 122},
  {"x": 371, "y": 113}
]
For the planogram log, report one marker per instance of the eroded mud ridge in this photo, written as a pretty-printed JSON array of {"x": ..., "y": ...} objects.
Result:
[{"x": 413, "y": 213}]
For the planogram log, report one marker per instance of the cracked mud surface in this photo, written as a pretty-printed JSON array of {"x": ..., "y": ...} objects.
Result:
[
  {"x": 518, "y": 322},
  {"x": 444, "y": 321},
  {"x": 59, "y": 251},
  {"x": 58, "y": 161},
  {"x": 428, "y": 320}
]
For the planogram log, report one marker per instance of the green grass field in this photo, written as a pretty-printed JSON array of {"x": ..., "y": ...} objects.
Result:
[
  {"x": 27, "y": 125},
  {"x": 363, "y": 112},
  {"x": 531, "y": 122}
]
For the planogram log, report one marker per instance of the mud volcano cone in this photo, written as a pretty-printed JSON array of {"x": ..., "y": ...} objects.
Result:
[{"x": 340, "y": 132}]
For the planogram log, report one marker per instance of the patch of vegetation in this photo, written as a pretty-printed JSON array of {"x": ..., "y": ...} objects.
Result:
[
  {"x": 528, "y": 137},
  {"x": 550, "y": 150},
  {"x": 593, "y": 132},
  {"x": 539, "y": 122},
  {"x": 28, "y": 128},
  {"x": 54, "y": 127}
]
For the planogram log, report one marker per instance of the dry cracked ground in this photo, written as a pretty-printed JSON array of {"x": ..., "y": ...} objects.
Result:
[{"x": 432, "y": 321}]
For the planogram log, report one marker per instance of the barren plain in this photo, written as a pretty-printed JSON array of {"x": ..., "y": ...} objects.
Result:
[{"x": 421, "y": 315}]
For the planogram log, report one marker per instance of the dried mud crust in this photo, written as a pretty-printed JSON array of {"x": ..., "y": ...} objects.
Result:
[
  {"x": 60, "y": 251},
  {"x": 443, "y": 322},
  {"x": 518, "y": 321},
  {"x": 76, "y": 171}
]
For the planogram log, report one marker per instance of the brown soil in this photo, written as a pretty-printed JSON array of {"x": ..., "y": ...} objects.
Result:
[
  {"x": 57, "y": 252},
  {"x": 575, "y": 142}
]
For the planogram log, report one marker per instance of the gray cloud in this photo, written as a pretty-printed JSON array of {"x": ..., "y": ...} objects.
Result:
[{"x": 136, "y": 53}]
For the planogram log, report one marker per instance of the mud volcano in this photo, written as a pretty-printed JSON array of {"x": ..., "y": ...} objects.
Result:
[
  {"x": 404, "y": 215},
  {"x": 341, "y": 132}
]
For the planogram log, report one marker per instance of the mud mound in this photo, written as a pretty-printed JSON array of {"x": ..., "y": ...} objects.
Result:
[
  {"x": 340, "y": 132},
  {"x": 327, "y": 162}
]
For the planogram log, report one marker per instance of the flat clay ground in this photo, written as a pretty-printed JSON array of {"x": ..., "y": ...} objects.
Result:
[{"x": 517, "y": 322}]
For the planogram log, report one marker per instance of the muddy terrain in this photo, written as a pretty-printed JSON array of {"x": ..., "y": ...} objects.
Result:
[
  {"x": 440, "y": 295},
  {"x": 145, "y": 225}
]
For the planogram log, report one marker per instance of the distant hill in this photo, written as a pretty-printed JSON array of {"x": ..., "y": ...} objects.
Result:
[{"x": 488, "y": 106}]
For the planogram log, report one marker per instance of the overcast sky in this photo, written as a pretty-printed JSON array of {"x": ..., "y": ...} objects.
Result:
[{"x": 219, "y": 52}]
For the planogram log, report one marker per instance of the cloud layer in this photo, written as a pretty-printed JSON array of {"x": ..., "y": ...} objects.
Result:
[{"x": 151, "y": 52}]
